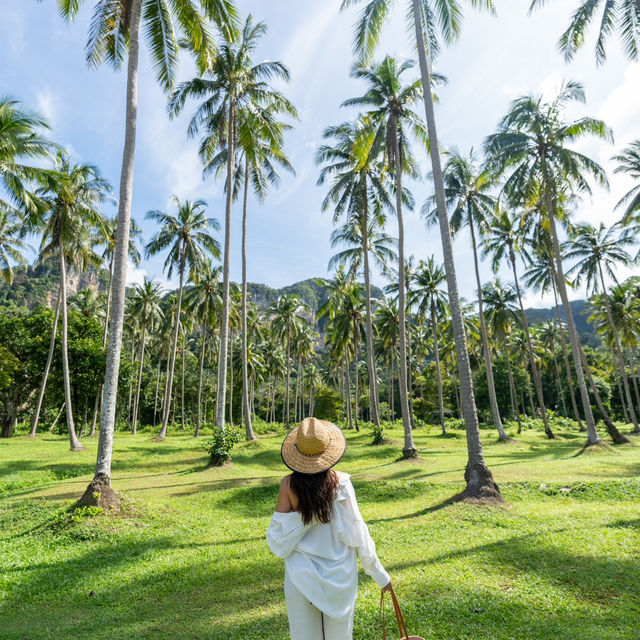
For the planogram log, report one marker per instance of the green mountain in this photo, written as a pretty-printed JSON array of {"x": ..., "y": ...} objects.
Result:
[{"x": 38, "y": 284}]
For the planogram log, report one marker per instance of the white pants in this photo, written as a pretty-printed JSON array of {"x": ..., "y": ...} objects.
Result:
[{"x": 307, "y": 622}]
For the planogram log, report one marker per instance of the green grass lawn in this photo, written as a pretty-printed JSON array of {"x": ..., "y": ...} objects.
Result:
[{"x": 189, "y": 559}]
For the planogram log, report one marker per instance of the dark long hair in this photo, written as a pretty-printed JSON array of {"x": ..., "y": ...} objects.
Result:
[{"x": 315, "y": 493}]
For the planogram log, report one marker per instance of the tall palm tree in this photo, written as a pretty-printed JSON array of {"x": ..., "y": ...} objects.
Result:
[
  {"x": 114, "y": 36},
  {"x": 146, "y": 309},
  {"x": 436, "y": 22},
  {"x": 358, "y": 193},
  {"x": 428, "y": 296},
  {"x": 531, "y": 145},
  {"x": 230, "y": 84},
  {"x": 205, "y": 302},
  {"x": 598, "y": 250},
  {"x": 389, "y": 114},
  {"x": 71, "y": 195},
  {"x": 503, "y": 240},
  {"x": 471, "y": 204},
  {"x": 21, "y": 138},
  {"x": 260, "y": 156},
  {"x": 287, "y": 317},
  {"x": 188, "y": 237},
  {"x": 621, "y": 16},
  {"x": 629, "y": 164}
]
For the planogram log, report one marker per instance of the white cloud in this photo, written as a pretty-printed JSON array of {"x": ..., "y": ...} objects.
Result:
[
  {"x": 47, "y": 105},
  {"x": 620, "y": 108},
  {"x": 135, "y": 275}
]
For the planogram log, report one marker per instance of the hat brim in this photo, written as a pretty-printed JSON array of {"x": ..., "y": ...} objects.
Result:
[{"x": 310, "y": 464}]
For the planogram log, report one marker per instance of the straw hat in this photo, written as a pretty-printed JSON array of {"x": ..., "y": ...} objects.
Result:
[{"x": 313, "y": 446}]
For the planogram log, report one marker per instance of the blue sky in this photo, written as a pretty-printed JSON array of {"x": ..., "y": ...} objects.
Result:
[{"x": 496, "y": 60}]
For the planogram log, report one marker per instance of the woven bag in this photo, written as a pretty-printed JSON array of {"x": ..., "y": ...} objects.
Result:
[{"x": 402, "y": 627}]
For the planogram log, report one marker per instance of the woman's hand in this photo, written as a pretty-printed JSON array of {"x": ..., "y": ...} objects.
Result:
[
  {"x": 388, "y": 588},
  {"x": 284, "y": 502}
]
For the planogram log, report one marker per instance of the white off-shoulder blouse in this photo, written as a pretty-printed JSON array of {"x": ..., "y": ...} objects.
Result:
[{"x": 320, "y": 559}]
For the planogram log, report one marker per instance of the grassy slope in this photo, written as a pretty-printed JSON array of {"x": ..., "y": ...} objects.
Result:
[{"x": 190, "y": 561}]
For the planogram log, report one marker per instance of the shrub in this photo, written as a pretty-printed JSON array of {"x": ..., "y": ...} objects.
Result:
[
  {"x": 261, "y": 427},
  {"x": 455, "y": 423},
  {"x": 378, "y": 434},
  {"x": 220, "y": 446}
]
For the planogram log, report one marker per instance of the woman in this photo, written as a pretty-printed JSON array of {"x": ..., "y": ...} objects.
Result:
[{"x": 316, "y": 529}]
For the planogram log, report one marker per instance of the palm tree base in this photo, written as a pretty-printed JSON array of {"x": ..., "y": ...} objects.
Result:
[
  {"x": 410, "y": 453},
  {"x": 599, "y": 445},
  {"x": 79, "y": 447},
  {"x": 481, "y": 487},
  {"x": 99, "y": 493}
]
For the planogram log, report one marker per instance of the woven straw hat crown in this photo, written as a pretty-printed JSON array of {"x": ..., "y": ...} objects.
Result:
[
  {"x": 313, "y": 437},
  {"x": 313, "y": 446}
]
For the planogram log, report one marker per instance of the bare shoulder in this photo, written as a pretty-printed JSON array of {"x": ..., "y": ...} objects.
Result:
[{"x": 286, "y": 482}]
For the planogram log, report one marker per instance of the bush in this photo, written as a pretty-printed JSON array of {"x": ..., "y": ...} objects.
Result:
[
  {"x": 454, "y": 423},
  {"x": 378, "y": 434},
  {"x": 261, "y": 427},
  {"x": 220, "y": 446}
]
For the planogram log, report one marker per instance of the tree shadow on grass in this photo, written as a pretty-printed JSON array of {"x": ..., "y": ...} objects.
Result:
[{"x": 141, "y": 589}]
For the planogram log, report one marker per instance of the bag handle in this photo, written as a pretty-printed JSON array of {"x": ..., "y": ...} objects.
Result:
[{"x": 402, "y": 627}]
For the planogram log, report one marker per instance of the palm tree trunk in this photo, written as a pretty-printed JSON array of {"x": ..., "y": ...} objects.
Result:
[
  {"x": 371, "y": 358},
  {"x": 245, "y": 371},
  {"x": 436, "y": 352},
  {"x": 174, "y": 351},
  {"x": 184, "y": 354},
  {"x": 200, "y": 376},
  {"x": 409, "y": 450},
  {"x": 57, "y": 418},
  {"x": 132, "y": 359},
  {"x": 96, "y": 403},
  {"x": 392, "y": 383},
  {"x": 286, "y": 400},
  {"x": 565, "y": 357},
  {"x": 231, "y": 377},
  {"x": 73, "y": 439},
  {"x": 488, "y": 366},
  {"x": 618, "y": 376},
  {"x": 616, "y": 436},
  {"x": 479, "y": 479},
  {"x": 556, "y": 369},
  {"x": 412, "y": 418},
  {"x": 532, "y": 361},
  {"x": 357, "y": 392},
  {"x": 47, "y": 367},
  {"x": 102, "y": 479},
  {"x": 592, "y": 434},
  {"x": 136, "y": 404},
  {"x": 618, "y": 352},
  {"x": 347, "y": 389},
  {"x": 224, "y": 331},
  {"x": 512, "y": 387},
  {"x": 155, "y": 402},
  {"x": 634, "y": 378},
  {"x": 296, "y": 393}
]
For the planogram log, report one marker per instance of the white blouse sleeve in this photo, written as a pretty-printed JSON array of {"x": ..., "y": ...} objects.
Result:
[
  {"x": 284, "y": 533},
  {"x": 355, "y": 533}
]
